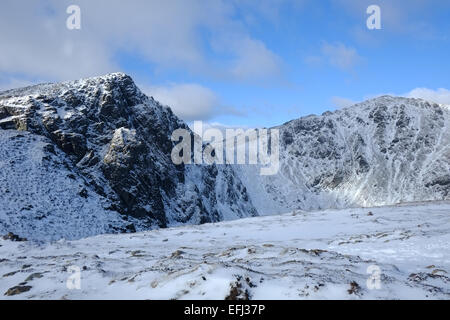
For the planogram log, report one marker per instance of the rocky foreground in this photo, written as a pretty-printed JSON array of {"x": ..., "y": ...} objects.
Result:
[{"x": 392, "y": 252}]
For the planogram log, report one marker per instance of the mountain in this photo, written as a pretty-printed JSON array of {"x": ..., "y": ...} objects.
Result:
[
  {"x": 382, "y": 151},
  {"x": 93, "y": 156}
]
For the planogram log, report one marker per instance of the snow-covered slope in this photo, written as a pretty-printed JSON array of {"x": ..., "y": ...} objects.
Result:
[
  {"x": 43, "y": 198},
  {"x": 117, "y": 141},
  {"x": 331, "y": 254},
  {"x": 383, "y": 151}
]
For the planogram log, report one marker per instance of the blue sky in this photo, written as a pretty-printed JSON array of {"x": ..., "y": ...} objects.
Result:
[{"x": 242, "y": 63}]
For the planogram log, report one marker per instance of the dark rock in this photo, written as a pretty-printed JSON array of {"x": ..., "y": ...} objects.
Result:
[
  {"x": 33, "y": 276},
  {"x": 131, "y": 228},
  {"x": 119, "y": 141},
  {"x": 237, "y": 292},
  {"x": 354, "y": 288},
  {"x": 13, "y": 237},
  {"x": 17, "y": 290}
]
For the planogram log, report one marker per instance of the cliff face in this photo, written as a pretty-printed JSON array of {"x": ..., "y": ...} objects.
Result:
[
  {"x": 383, "y": 151},
  {"x": 118, "y": 142}
]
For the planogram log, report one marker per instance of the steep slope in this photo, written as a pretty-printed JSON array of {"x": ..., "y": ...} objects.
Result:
[
  {"x": 42, "y": 198},
  {"x": 383, "y": 151},
  {"x": 114, "y": 144},
  {"x": 119, "y": 141}
]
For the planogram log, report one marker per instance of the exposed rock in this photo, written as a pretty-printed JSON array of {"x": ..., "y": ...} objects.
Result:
[
  {"x": 354, "y": 288},
  {"x": 237, "y": 292},
  {"x": 33, "y": 276},
  {"x": 13, "y": 237},
  {"x": 17, "y": 290},
  {"x": 382, "y": 151},
  {"x": 96, "y": 159},
  {"x": 115, "y": 143}
]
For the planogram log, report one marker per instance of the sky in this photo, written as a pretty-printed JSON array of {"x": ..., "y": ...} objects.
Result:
[{"x": 248, "y": 63}]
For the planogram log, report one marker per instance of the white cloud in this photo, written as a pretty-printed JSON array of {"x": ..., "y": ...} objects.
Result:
[
  {"x": 313, "y": 61},
  {"x": 440, "y": 95},
  {"x": 340, "y": 102},
  {"x": 36, "y": 43},
  {"x": 255, "y": 11},
  {"x": 223, "y": 127},
  {"x": 255, "y": 61},
  {"x": 411, "y": 17},
  {"x": 173, "y": 34},
  {"x": 12, "y": 83},
  {"x": 190, "y": 101},
  {"x": 341, "y": 56}
]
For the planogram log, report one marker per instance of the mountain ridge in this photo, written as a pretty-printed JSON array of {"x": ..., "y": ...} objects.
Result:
[
  {"x": 116, "y": 141},
  {"x": 385, "y": 97},
  {"x": 360, "y": 156}
]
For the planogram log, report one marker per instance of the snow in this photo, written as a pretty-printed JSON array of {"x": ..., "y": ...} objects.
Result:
[
  {"x": 382, "y": 151},
  {"x": 374, "y": 161},
  {"x": 298, "y": 255},
  {"x": 118, "y": 141},
  {"x": 40, "y": 198}
]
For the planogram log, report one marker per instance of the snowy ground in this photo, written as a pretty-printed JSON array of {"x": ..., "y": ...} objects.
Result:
[{"x": 319, "y": 255}]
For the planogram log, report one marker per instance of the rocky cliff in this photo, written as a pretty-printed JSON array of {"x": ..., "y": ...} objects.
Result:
[
  {"x": 116, "y": 142},
  {"x": 383, "y": 151}
]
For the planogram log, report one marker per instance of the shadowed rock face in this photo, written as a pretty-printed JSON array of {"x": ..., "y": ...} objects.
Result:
[
  {"x": 118, "y": 140},
  {"x": 383, "y": 151},
  {"x": 111, "y": 145}
]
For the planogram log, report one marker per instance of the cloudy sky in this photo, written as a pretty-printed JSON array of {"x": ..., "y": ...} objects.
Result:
[{"x": 235, "y": 62}]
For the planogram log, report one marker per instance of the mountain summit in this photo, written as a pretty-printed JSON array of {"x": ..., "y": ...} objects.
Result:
[
  {"x": 93, "y": 156},
  {"x": 109, "y": 141},
  {"x": 382, "y": 151}
]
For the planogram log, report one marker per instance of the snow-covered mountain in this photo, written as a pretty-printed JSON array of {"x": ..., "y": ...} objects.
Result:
[
  {"x": 383, "y": 151},
  {"x": 95, "y": 158}
]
